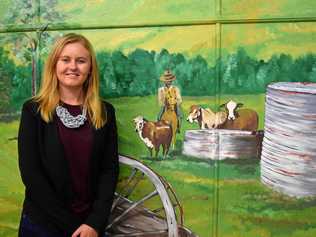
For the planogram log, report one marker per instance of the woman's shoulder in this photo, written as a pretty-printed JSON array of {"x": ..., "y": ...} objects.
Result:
[
  {"x": 31, "y": 105},
  {"x": 107, "y": 105},
  {"x": 109, "y": 111}
]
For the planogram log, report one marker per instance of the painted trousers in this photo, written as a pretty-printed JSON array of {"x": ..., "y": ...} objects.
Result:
[{"x": 30, "y": 229}]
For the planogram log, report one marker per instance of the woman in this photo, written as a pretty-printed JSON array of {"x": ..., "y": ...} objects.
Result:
[{"x": 67, "y": 147}]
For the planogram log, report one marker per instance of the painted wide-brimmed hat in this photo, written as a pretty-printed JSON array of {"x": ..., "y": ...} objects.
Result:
[{"x": 167, "y": 76}]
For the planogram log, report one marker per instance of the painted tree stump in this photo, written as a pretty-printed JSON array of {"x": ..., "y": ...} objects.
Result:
[
  {"x": 288, "y": 160},
  {"x": 220, "y": 144}
]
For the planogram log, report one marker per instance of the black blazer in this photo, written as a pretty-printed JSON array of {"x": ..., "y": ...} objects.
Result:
[{"x": 45, "y": 171}]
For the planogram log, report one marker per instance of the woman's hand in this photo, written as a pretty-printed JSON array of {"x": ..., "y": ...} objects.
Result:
[{"x": 85, "y": 231}]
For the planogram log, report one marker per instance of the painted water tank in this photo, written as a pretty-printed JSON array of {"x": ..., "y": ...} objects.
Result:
[
  {"x": 220, "y": 144},
  {"x": 288, "y": 158}
]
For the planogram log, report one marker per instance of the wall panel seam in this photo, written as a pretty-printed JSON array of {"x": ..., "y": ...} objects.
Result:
[{"x": 62, "y": 27}]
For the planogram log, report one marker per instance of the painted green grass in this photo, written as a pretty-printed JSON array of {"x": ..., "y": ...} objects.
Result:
[
  {"x": 246, "y": 207},
  {"x": 11, "y": 189}
]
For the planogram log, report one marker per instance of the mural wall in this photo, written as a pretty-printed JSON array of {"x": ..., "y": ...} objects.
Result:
[{"x": 184, "y": 62}]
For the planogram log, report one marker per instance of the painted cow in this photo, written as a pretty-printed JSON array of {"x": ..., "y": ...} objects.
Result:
[
  {"x": 206, "y": 118},
  {"x": 239, "y": 119},
  {"x": 154, "y": 134}
]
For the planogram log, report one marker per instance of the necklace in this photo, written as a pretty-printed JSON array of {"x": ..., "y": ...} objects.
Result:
[{"x": 68, "y": 120}]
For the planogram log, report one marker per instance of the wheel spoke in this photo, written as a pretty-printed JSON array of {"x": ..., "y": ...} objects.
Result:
[
  {"x": 157, "y": 210},
  {"x": 132, "y": 207},
  {"x": 128, "y": 189},
  {"x": 130, "y": 178},
  {"x": 143, "y": 233},
  {"x": 131, "y": 189},
  {"x": 116, "y": 201}
]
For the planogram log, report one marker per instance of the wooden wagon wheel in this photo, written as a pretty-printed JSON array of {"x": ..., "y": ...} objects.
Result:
[{"x": 152, "y": 214}]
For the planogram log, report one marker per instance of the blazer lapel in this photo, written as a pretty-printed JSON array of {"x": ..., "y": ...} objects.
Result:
[{"x": 55, "y": 161}]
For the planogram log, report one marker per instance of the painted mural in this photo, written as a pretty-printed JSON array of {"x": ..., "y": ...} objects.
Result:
[{"x": 190, "y": 113}]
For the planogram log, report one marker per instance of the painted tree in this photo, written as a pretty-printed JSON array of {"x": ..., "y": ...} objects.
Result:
[
  {"x": 312, "y": 74},
  {"x": 26, "y": 45},
  {"x": 121, "y": 69},
  {"x": 108, "y": 84},
  {"x": 143, "y": 71},
  {"x": 6, "y": 69},
  {"x": 163, "y": 61}
]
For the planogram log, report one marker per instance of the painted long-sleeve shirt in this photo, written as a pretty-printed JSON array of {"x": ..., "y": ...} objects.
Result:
[{"x": 169, "y": 95}]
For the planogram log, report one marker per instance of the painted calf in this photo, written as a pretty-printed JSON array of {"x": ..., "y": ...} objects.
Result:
[
  {"x": 154, "y": 134},
  {"x": 239, "y": 119},
  {"x": 206, "y": 118}
]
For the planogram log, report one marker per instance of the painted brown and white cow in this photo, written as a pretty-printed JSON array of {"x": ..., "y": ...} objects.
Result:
[
  {"x": 206, "y": 118},
  {"x": 154, "y": 134},
  {"x": 239, "y": 119}
]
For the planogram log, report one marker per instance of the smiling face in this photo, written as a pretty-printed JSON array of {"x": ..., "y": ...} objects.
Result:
[{"x": 73, "y": 66}]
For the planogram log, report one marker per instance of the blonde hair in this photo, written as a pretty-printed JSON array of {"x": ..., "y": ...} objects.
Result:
[{"x": 48, "y": 96}]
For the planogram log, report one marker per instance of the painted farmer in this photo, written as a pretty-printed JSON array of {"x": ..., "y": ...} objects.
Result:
[{"x": 169, "y": 98}]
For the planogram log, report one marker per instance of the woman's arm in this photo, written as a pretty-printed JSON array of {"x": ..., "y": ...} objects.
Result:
[
  {"x": 38, "y": 188},
  {"x": 101, "y": 209}
]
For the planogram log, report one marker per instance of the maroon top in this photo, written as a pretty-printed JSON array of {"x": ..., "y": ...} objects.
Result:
[{"x": 77, "y": 143}]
